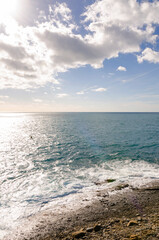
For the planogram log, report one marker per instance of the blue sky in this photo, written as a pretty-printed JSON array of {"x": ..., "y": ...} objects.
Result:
[{"x": 79, "y": 55}]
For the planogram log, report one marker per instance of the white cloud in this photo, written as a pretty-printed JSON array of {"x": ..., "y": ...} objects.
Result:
[
  {"x": 32, "y": 56},
  {"x": 100, "y": 90},
  {"x": 62, "y": 95},
  {"x": 121, "y": 68},
  {"x": 37, "y": 100},
  {"x": 80, "y": 93},
  {"x": 149, "y": 55},
  {"x": 121, "y": 26},
  {"x": 125, "y": 81},
  {"x": 4, "y": 97},
  {"x": 59, "y": 11}
]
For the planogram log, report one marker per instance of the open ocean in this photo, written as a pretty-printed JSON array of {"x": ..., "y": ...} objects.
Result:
[{"x": 52, "y": 156}]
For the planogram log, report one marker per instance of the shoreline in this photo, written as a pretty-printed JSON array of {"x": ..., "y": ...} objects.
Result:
[{"x": 128, "y": 213}]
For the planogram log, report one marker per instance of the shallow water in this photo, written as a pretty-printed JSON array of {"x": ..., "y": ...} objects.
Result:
[{"x": 45, "y": 157}]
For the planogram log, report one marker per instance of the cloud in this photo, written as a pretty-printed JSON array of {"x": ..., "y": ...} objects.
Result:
[
  {"x": 121, "y": 68},
  {"x": 37, "y": 100},
  {"x": 100, "y": 90},
  {"x": 2, "y": 102},
  {"x": 126, "y": 80},
  {"x": 17, "y": 65},
  {"x": 16, "y": 52},
  {"x": 70, "y": 51},
  {"x": 32, "y": 56},
  {"x": 149, "y": 55},
  {"x": 80, "y": 93},
  {"x": 59, "y": 11},
  {"x": 4, "y": 97},
  {"x": 111, "y": 30},
  {"x": 127, "y": 23},
  {"x": 62, "y": 95}
]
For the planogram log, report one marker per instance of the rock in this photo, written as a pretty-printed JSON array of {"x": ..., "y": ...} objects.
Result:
[
  {"x": 105, "y": 181},
  {"x": 139, "y": 219},
  {"x": 78, "y": 234},
  {"x": 119, "y": 187},
  {"x": 134, "y": 237},
  {"x": 132, "y": 223},
  {"x": 90, "y": 229},
  {"x": 114, "y": 221},
  {"x": 110, "y": 180},
  {"x": 97, "y": 227},
  {"x": 112, "y": 204}
]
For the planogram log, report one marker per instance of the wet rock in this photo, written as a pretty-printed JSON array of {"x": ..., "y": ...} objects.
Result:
[
  {"x": 132, "y": 223},
  {"x": 78, "y": 234},
  {"x": 119, "y": 187},
  {"x": 110, "y": 180},
  {"x": 105, "y": 181}
]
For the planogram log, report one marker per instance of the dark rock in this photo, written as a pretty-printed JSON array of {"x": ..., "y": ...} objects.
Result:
[
  {"x": 112, "y": 204},
  {"x": 90, "y": 229},
  {"x": 110, "y": 180},
  {"x": 78, "y": 234},
  {"x": 97, "y": 227}
]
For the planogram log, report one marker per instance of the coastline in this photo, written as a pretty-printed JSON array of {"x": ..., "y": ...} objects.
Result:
[{"x": 127, "y": 213}]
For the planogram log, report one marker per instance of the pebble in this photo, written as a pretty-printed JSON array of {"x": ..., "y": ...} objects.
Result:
[{"x": 139, "y": 219}]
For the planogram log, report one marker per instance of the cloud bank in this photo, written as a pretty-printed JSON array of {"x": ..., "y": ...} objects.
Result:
[{"x": 32, "y": 56}]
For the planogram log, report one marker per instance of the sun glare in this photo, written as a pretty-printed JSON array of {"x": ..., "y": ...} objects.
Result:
[{"x": 7, "y": 8}]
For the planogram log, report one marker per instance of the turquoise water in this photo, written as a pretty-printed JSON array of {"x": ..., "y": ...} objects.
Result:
[{"x": 44, "y": 157}]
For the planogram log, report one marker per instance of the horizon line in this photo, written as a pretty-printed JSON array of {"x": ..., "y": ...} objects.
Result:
[{"x": 77, "y": 112}]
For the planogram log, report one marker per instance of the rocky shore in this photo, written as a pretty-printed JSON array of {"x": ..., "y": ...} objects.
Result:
[{"x": 128, "y": 214}]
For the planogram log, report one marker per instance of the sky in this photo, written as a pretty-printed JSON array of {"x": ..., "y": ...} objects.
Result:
[{"x": 79, "y": 56}]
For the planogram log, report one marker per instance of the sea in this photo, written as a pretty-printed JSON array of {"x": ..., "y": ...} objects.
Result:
[{"x": 48, "y": 158}]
